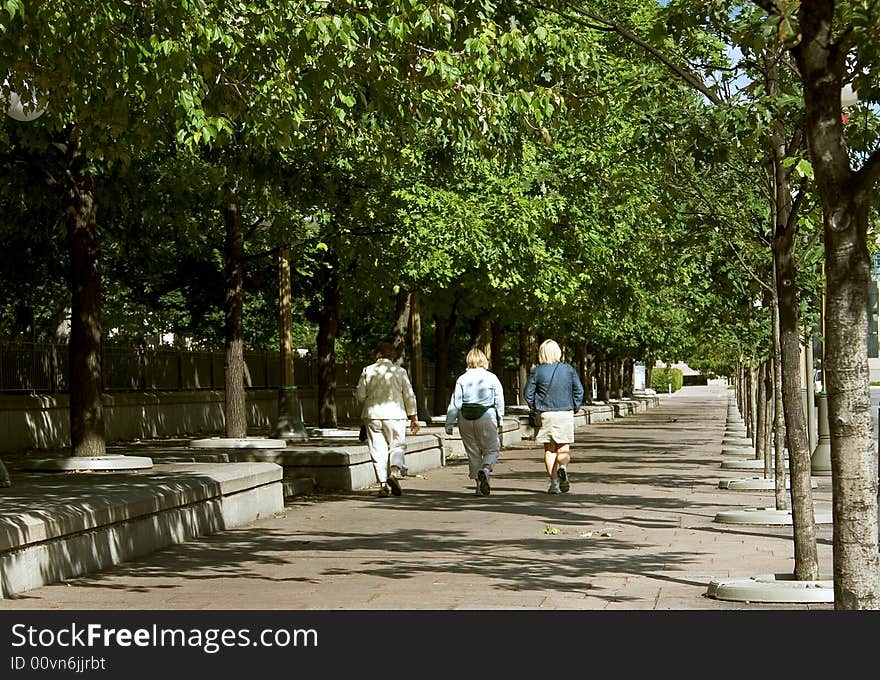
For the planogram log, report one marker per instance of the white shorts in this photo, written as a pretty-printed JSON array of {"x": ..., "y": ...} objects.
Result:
[{"x": 556, "y": 426}]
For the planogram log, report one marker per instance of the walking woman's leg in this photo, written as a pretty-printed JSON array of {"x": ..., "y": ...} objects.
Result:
[
  {"x": 490, "y": 443},
  {"x": 550, "y": 459},
  {"x": 378, "y": 448},
  {"x": 563, "y": 455},
  {"x": 395, "y": 435},
  {"x": 550, "y": 462},
  {"x": 471, "y": 443}
]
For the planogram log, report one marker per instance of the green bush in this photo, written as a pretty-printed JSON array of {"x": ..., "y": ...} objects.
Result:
[{"x": 661, "y": 378}]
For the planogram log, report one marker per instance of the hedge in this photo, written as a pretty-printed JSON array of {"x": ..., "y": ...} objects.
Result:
[{"x": 662, "y": 377}]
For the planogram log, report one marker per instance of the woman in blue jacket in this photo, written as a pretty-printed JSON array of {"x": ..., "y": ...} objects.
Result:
[{"x": 555, "y": 391}]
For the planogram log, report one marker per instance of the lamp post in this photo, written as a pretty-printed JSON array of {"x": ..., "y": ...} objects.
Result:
[
  {"x": 820, "y": 461},
  {"x": 23, "y": 112}
]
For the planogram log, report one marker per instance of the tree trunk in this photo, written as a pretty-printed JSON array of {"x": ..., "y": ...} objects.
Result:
[
  {"x": 442, "y": 331},
  {"x": 234, "y": 401},
  {"x": 845, "y": 198},
  {"x": 579, "y": 359},
  {"x": 614, "y": 371},
  {"x": 496, "y": 360},
  {"x": 401, "y": 323},
  {"x": 760, "y": 401},
  {"x": 628, "y": 377},
  {"x": 601, "y": 382},
  {"x": 328, "y": 328},
  {"x": 289, "y": 423},
  {"x": 753, "y": 404},
  {"x": 285, "y": 331},
  {"x": 853, "y": 456},
  {"x": 418, "y": 368},
  {"x": 767, "y": 430},
  {"x": 86, "y": 367},
  {"x": 523, "y": 364},
  {"x": 649, "y": 373},
  {"x": 779, "y": 438},
  {"x": 806, "y": 560},
  {"x": 588, "y": 374},
  {"x": 806, "y": 556},
  {"x": 741, "y": 392}
]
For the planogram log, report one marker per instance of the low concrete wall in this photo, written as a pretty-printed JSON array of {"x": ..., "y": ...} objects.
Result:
[
  {"x": 598, "y": 413},
  {"x": 43, "y": 421},
  {"x": 98, "y": 523},
  {"x": 650, "y": 400},
  {"x": 453, "y": 446},
  {"x": 621, "y": 408},
  {"x": 586, "y": 415},
  {"x": 334, "y": 462}
]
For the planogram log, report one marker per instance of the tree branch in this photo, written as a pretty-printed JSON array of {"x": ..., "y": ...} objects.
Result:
[
  {"x": 795, "y": 207},
  {"x": 689, "y": 77},
  {"x": 768, "y": 6},
  {"x": 254, "y": 226},
  {"x": 867, "y": 176}
]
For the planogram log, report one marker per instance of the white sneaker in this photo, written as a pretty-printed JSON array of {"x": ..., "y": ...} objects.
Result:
[{"x": 554, "y": 486}]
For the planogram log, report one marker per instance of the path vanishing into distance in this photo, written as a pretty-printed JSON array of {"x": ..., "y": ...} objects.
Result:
[{"x": 635, "y": 532}]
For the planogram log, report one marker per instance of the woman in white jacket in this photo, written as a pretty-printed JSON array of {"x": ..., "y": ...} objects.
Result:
[
  {"x": 387, "y": 400},
  {"x": 477, "y": 405}
]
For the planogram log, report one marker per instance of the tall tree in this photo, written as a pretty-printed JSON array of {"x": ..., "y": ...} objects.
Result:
[{"x": 835, "y": 43}]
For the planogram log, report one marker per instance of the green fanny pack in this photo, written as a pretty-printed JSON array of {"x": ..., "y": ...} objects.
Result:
[{"x": 473, "y": 411}]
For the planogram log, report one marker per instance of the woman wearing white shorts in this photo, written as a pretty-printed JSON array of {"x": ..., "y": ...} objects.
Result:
[{"x": 555, "y": 391}]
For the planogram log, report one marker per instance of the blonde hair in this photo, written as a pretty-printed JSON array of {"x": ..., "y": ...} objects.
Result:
[
  {"x": 477, "y": 358},
  {"x": 549, "y": 352}
]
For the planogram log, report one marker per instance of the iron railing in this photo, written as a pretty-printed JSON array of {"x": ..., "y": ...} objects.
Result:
[{"x": 44, "y": 368}]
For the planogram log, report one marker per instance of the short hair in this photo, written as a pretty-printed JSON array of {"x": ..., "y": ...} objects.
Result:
[
  {"x": 549, "y": 351},
  {"x": 385, "y": 350},
  {"x": 477, "y": 358}
]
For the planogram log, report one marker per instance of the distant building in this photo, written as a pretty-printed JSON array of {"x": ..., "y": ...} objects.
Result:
[{"x": 683, "y": 367}]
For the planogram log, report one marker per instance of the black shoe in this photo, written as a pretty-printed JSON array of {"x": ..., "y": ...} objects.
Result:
[
  {"x": 395, "y": 485},
  {"x": 383, "y": 492},
  {"x": 562, "y": 473},
  {"x": 483, "y": 479}
]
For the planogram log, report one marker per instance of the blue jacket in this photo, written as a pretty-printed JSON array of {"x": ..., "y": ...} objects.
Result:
[{"x": 564, "y": 393}]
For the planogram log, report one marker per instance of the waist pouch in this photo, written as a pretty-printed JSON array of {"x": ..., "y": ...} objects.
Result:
[{"x": 473, "y": 411}]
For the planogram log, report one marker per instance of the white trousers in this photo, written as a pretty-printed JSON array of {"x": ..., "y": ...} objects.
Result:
[
  {"x": 480, "y": 439},
  {"x": 386, "y": 441}
]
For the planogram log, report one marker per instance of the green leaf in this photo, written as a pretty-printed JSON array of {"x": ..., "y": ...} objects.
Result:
[{"x": 804, "y": 168}]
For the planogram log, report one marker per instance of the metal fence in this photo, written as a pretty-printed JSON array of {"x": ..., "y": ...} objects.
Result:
[
  {"x": 31, "y": 367},
  {"x": 44, "y": 368}
]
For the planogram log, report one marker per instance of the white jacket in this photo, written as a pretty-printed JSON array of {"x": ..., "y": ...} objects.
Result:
[{"x": 385, "y": 392}]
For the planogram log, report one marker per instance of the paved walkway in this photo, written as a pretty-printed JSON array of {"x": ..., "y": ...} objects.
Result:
[{"x": 635, "y": 532}]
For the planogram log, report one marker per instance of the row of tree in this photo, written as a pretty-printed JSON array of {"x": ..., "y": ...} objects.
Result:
[{"x": 612, "y": 174}]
